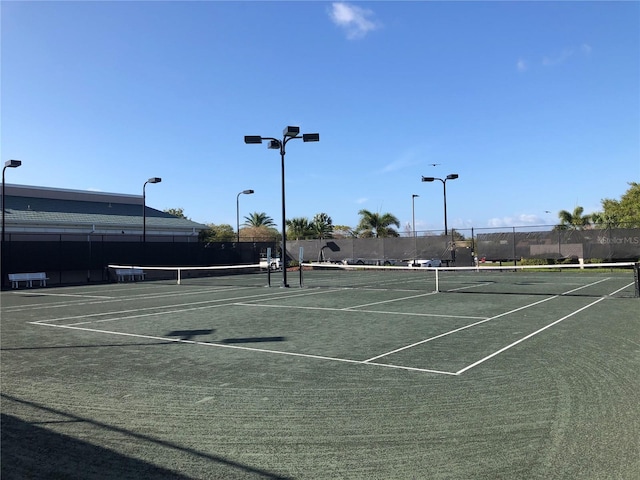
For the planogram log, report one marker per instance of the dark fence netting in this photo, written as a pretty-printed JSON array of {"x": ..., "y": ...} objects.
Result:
[
  {"x": 462, "y": 247},
  {"x": 68, "y": 258},
  {"x": 595, "y": 244},
  {"x": 383, "y": 251}
]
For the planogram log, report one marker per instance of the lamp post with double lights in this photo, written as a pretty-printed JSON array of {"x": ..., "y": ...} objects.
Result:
[
  {"x": 289, "y": 133},
  {"x": 451, "y": 176},
  {"x": 144, "y": 206},
  {"x": 245, "y": 192},
  {"x": 7, "y": 164}
]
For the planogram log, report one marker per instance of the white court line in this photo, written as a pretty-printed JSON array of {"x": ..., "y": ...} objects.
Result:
[
  {"x": 459, "y": 329},
  {"x": 392, "y": 300},
  {"x": 237, "y": 347},
  {"x": 459, "y": 372},
  {"x": 350, "y": 309},
  {"x": 156, "y": 307},
  {"x": 362, "y": 362},
  {"x": 481, "y": 322},
  {"x": 620, "y": 289},
  {"x": 128, "y": 298},
  {"x": 34, "y": 294}
]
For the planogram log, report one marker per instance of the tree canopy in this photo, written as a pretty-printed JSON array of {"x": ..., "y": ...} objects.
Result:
[
  {"x": 177, "y": 212},
  {"x": 621, "y": 213},
  {"x": 377, "y": 224},
  {"x": 259, "y": 219},
  {"x": 217, "y": 233}
]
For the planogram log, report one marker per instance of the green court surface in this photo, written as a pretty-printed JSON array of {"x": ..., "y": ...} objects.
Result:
[{"x": 202, "y": 381}]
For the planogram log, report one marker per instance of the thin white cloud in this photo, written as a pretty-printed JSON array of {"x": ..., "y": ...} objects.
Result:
[
  {"x": 355, "y": 21},
  {"x": 557, "y": 59},
  {"x": 516, "y": 221},
  {"x": 362, "y": 200},
  {"x": 522, "y": 65}
]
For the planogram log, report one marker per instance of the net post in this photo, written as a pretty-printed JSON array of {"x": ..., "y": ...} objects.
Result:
[
  {"x": 437, "y": 280},
  {"x": 269, "y": 267},
  {"x": 179, "y": 271},
  {"x": 636, "y": 278},
  {"x": 300, "y": 258}
]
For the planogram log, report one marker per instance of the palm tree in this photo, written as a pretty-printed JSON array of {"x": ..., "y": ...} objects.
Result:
[
  {"x": 322, "y": 226},
  {"x": 377, "y": 225},
  {"x": 260, "y": 219},
  {"x": 299, "y": 228},
  {"x": 573, "y": 221}
]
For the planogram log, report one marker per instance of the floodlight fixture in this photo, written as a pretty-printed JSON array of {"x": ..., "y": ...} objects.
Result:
[
  {"x": 154, "y": 180},
  {"x": 247, "y": 192},
  {"x": 274, "y": 144},
  {"x": 452, "y": 176},
  {"x": 291, "y": 131},
  {"x": 252, "y": 139},
  {"x": 12, "y": 163},
  {"x": 428, "y": 179},
  {"x": 310, "y": 137}
]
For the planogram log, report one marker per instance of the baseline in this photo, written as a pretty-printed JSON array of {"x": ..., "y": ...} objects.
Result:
[{"x": 238, "y": 347}]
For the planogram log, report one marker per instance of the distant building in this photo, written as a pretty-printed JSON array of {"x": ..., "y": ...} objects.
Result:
[{"x": 39, "y": 210}]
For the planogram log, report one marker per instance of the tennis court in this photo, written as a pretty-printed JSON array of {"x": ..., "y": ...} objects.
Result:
[{"x": 358, "y": 374}]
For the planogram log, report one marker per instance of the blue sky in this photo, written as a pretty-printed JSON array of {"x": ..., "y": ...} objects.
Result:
[{"x": 535, "y": 105}]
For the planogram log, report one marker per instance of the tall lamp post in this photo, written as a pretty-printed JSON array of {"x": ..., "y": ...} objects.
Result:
[
  {"x": 413, "y": 226},
  {"x": 413, "y": 213},
  {"x": 451, "y": 176},
  {"x": 144, "y": 206},
  {"x": 246, "y": 192},
  {"x": 7, "y": 164},
  {"x": 289, "y": 133}
]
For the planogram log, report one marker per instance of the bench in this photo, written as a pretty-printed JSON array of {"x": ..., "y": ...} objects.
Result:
[
  {"x": 132, "y": 274},
  {"x": 28, "y": 279}
]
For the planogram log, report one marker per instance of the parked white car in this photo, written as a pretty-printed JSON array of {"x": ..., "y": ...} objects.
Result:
[
  {"x": 275, "y": 264},
  {"x": 434, "y": 262}
]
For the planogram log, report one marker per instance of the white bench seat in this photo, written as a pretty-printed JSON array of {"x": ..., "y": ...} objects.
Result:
[
  {"x": 28, "y": 279},
  {"x": 132, "y": 274}
]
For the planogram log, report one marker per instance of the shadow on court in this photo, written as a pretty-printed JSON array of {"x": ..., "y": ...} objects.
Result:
[
  {"x": 30, "y": 450},
  {"x": 192, "y": 334}
]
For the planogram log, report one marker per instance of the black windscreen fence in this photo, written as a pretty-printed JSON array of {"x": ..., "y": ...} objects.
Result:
[{"x": 68, "y": 258}]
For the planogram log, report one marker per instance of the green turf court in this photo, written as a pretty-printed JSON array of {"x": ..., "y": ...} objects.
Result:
[{"x": 200, "y": 381}]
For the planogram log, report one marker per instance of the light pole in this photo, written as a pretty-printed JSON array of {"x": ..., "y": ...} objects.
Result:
[
  {"x": 144, "y": 206},
  {"x": 246, "y": 192},
  {"x": 451, "y": 176},
  {"x": 413, "y": 213},
  {"x": 289, "y": 133},
  {"x": 7, "y": 164},
  {"x": 413, "y": 226}
]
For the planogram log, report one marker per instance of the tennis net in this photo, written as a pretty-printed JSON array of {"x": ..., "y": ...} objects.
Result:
[
  {"x": 598, "y": 279},
  {"x": 225, "y": 275}
]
